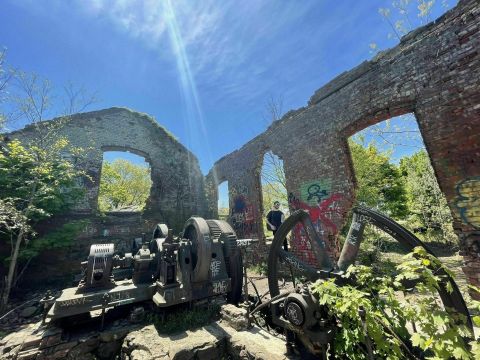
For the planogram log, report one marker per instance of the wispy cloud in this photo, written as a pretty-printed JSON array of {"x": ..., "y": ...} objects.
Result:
[
  {"x": 232, "y": 47},
  {"x": 219, "y": 37}
]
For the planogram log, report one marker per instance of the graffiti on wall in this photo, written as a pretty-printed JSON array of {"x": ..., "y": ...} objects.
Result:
[
  {"x": 313, "y": 192},
  {"x": 468, "y": 201},
  {"x": 243, "y": 217},
  {"x": 325, "y": 210}
]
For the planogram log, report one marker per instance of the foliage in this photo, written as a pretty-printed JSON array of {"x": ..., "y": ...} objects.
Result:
[
  {"x": 37, "y": 178},
  {"x": 397, "y": 329},
  {"x": 474, "y": 305},
  {"x": 274, "y": 183},
  {"x": 272, "y": 192},
  {"x": 260, "y": 268},
  {"x": 36, "y": 182},
  {"x": 272, "y": 176},
  {"x": 404, "y": 16},
  {"x": 56, "y": 239},
  {"x": 379, "y": 183},
  {"x": 11, "y": 219},
  {"x": 223, "y": 213},
  {"x": 123, "y": 185},
  {"x": 426, "y": 202},
  {"x": 179, "y": 320}
]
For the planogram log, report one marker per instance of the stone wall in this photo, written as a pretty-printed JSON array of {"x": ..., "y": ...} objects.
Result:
[
  {"x": 177, "y": 189},
  {"x": 434, "y": 73},
  {"x": 177, "y": 183}
]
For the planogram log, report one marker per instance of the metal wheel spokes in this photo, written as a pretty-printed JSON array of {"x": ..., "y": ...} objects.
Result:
[
  {"x": 300, "y": 226},
  {"x": 298, "y": 265},
  {"x": 318, "y": 245},
  {"x": 297, "y": 223},
  {"x": 352, "y": 243},
  {"x": 452, "y": 300}
]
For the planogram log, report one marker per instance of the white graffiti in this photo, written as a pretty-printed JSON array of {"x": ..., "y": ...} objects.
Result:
[
  {"x": 120, "y": 296},
  {"x": 364, "y": 219},
  {"x": 352, "y": 239},
  {"x": 356, "y": 226},
  {"x": 293, "y": 315},
  {"x": 244, "y": 242},
  {"x": 74, "y": 302},
  {"x": 215, "y": 267},
  {"x": 220, "y": 287},
  {"x": 294, "y": 262}
]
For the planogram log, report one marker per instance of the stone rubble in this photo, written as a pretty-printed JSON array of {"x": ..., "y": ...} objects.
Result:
[
  {"x": 215, "y": 341},
  {"x": 124, "y": 340},
  {"x": 234, "y": 316}
]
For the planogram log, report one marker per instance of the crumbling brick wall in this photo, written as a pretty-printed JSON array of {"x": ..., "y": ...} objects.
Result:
[
  {"x": 177, "y": 183},
  {"x": 434, "y": 73},
  {"x": 177, "y": 190}
]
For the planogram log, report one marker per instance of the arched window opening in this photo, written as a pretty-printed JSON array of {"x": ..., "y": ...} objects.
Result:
[
  {"x": 394, "y": 176},
  {"x": 273, "y": 187},
  {"x": 223, "y": 201},
  {"x": 125, "y": 182}
]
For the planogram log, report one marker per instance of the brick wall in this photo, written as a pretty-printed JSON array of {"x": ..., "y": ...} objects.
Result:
[
  {"x": 177, "y": 184},
  {"x": 435, "y": 73}
]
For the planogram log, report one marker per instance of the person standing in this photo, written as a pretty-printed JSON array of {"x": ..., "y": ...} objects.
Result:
[{"x": 275, "y": 218}]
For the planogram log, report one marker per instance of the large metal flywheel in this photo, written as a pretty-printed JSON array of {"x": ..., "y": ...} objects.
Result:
[
  {"x": 278, "y": 259},
  {"x": 198, "y": 232}
]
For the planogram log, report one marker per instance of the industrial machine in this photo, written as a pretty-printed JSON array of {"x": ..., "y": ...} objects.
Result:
[
  {"x": 203, "y": 263},
  {"x": 296, "y": 310}
]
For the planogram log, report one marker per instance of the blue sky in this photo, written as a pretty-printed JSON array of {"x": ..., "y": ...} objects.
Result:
[{"x": 204, "y": 69}]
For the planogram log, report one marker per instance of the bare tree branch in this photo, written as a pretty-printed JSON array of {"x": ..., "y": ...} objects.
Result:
[{"x": 77, "y": 99}]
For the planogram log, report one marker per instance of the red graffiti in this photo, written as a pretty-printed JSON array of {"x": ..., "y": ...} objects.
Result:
[
  {"x": 323, "y": 212},
  {"x": 321, "y": 216}
]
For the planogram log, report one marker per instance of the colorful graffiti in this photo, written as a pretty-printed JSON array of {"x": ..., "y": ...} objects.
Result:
[
  {"x": 313, "y": 192},
  {"x": 243, "y": 218},
  {"x": 325, "y": 211},
  {"x": 468, "y": 201}
]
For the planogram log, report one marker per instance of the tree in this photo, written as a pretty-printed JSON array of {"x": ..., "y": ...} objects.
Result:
[
  {"x": 40, "y": 178},
  {"x": 400, "y": 20},
  {"x": 123, "y": 186},
  {"x": 5, "y": 76},
  {"x": 274, "y": 182},
  {"x": 426, "y": 202},
  {"x": 35, "y": 183},
  {"x": 379, "y": 183}
]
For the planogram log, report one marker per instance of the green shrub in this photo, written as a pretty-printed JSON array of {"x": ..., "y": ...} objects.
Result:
[
  {"x": 397, "y": 328},
  {"x": 260, "y": 268}
]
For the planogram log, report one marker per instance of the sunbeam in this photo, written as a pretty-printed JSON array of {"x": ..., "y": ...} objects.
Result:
[{"x": 193, "y": 115}]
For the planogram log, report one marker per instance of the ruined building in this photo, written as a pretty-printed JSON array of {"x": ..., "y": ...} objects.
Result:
[{"x": 433, "y": 73}]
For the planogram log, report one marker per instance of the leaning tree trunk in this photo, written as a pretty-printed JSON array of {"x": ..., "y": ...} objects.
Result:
[{"x": 11, "y": 272}]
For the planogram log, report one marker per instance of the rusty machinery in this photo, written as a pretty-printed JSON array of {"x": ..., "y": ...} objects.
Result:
[
  {"x": 203, "y": 263},
  {"x": 297, "y": 312}
]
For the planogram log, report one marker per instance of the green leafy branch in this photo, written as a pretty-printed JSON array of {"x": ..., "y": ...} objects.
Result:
[{"x": 401, "y": 321}]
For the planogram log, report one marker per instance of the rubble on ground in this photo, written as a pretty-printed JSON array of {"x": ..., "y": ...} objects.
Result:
[{"x": 122, "y": 339}]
